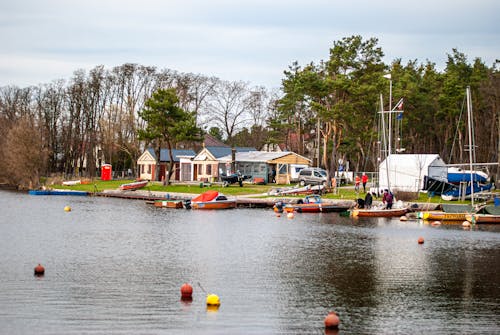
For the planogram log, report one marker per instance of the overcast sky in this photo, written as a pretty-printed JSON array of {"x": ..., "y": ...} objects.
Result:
[{"x": 252, "y": 41}]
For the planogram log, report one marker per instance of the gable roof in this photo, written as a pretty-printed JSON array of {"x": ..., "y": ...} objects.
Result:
[
  {"x": 165, "y": 157},
  {"x": 265, "y": 156},
  {"x": 210, "y": 141},
  {"x": 218, "y": 152}
]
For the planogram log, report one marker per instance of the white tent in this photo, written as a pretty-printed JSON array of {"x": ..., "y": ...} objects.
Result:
[{"x": 406, "y": 172}]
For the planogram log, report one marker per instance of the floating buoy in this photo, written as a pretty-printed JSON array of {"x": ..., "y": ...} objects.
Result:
[
  {"x": 186, "y": 291},
  {"x": 420, "y": 240},
  {"x": 67, "y": 209},
  {"x": 290, "y": 215},
  {"x": 278, "y": 215},
  {"x": 213, "y": 300},
  {"x": 466, "y": 224},
  {"x": 332, "y": 320},
  {"x": 436, "y": 223},
  {"x": 403, "y": 218},
  {"x": 39, "y": 270}
]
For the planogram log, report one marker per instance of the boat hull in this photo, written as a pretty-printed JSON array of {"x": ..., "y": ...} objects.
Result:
[
  {"x": 133, "y": 186},
  {"x": 442, "y": 216},
  {"x": 483, "y": 218},
  {"x": 378, "y": 212},
  {"x": 57, "y": 192},
  {"x": 315, "y": 208},
  {"x": 223, "y": 204},
  {"x": 168, "y": 204}
]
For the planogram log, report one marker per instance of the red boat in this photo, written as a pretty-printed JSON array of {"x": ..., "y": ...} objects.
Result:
[
  {"x": 133, "y": 186},
  {"x": 211, "y": 200},
  {"x": 311, "y": 204}
]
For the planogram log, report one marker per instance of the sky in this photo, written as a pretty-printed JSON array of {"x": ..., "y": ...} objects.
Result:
[{"x": 251, "y": 41}]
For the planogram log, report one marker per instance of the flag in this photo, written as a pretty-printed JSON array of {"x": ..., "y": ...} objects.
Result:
[{"x": 399, "y": 105}]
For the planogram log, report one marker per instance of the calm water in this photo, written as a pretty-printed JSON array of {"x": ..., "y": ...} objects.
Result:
[{"x": 116, "y": 267}]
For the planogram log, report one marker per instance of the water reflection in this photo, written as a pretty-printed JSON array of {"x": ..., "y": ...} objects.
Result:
[{"x": 116, "y": 266}]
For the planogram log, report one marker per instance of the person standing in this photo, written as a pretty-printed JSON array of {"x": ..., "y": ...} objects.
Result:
[
  {"x": 387, "y": 199},
  {"x": 357, "y": 180},
  {"x": 368, "y": 200},
  {"x": 364, "y": 180}
]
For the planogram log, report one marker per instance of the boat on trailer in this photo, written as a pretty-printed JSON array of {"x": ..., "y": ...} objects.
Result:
[{"x": 210, "y": 200}]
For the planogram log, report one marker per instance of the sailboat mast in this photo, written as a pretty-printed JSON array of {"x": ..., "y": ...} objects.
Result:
[{"x": 471, "y": 144}]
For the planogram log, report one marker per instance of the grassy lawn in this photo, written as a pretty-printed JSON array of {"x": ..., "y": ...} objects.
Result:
[{"x": 346, "y": 192}]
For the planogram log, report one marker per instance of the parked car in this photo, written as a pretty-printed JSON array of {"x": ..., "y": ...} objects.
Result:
[{"x": 313, "y": 176}]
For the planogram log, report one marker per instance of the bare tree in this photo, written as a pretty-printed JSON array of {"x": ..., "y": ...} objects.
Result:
[{"x": 229, "y": 108}]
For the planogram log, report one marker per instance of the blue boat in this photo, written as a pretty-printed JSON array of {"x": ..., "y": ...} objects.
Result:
[
  {"x": 57, "y": 192},
  {"x": 456, "y": 176},
  {"x": 455, "y": 193}
]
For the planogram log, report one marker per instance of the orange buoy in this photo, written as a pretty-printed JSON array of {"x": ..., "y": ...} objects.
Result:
[
  {"x": 466, "y": 224},
  {"x": 290, "y": 215},
  {"x": 436, "y": 223},
  {"x": 420, "y": 240},
  {"x": 332, "y": 320},
  {"x": 39, "y": 270},
  {"x": 186, "y": 291}
]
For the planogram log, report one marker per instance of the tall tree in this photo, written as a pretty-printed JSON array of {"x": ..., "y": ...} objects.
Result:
[{"x": 167, "y": 124}]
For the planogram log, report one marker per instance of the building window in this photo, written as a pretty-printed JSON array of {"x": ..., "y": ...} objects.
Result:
[{"x": 149, "y": 168}]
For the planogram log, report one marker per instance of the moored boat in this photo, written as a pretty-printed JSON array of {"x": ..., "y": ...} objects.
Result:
[
  {"x": 168, "y": 203},
  {"x": 483, "y": 218},
  {"x": 311, "y": 204},
  {"x": 211, "y": 200},
  {"x": 133, "y": 186},
  {"x": 57, "y": 192},
  {"x": 379, "y": 212},
  {"x": 448, "y": 213}
]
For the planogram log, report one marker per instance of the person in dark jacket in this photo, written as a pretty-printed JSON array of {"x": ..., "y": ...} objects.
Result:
[{"x": 368, "y": 200}]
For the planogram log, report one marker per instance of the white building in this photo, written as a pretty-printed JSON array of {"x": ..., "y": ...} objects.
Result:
[{"x": 406, "y": 172}]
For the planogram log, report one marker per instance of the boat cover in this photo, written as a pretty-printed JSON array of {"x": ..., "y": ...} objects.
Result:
[{"x": 206, "y": 196}]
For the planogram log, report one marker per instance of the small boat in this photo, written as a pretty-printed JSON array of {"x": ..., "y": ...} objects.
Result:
[
  {"x": 71, "y": 182},
  {"x": 211, "y": 200},
  {"x": 448, "y": 213},
  {"x": 57, "y": 192},
  {"x": 378, "y": 212},
  {"x": 133, "y": 186},
  {"x": 486, "y": 214},
  {"x": 310, "y": 204},
  {"x": 483, "y": 218},
  {"x": 168, "y": 203}
]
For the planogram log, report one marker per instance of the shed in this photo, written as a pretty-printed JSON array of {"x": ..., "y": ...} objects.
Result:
[
  {"x": 267, "y": 165},
  {"x": 147, "y": 163},
  {"x": 206, "y": 162},
  {"x": 406, "y": 172}
]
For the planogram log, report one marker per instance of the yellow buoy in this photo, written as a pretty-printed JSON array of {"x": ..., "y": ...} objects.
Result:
[
  {"x": 213, "y": 300},
  {"x": 67, "y": 209}
]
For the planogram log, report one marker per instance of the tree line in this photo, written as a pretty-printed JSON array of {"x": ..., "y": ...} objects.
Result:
[{"x": 325, "y": 111}]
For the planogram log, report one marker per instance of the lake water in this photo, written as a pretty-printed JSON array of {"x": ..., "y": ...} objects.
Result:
[{"x": 116, "y": 266}]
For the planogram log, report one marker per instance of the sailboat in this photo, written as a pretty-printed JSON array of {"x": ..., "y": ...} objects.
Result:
[{"x": 467, "y": 183}]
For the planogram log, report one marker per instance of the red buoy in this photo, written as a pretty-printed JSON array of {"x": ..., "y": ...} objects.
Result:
[
  {"x": 39, "y": 270},
  {"x": 420, "y": 240},
  {"x": 186, "y": 291},
  {"x": 332, "y": 320}
]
